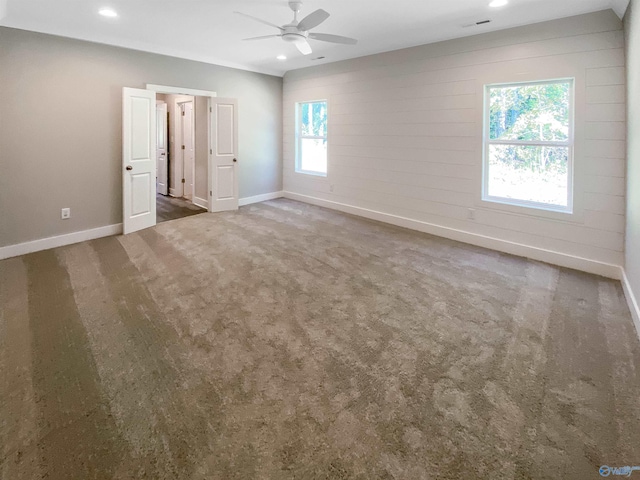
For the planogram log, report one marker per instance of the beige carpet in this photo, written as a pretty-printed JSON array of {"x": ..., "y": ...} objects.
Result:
[{"x": 286, "y": 341}]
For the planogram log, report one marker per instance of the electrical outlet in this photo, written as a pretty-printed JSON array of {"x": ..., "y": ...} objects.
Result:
[
  {"x": 65, "y": 214},
  {"x": 331, "y": 188},
  {"x": 471, "y": 215}
]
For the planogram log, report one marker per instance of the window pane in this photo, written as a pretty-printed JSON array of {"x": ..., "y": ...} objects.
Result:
[
  {"x": 530, "y": 112},
  {"x": 531, "y": 173},
  {"x": 313, "y": 119},
  {"x": 313, "y": 155}
]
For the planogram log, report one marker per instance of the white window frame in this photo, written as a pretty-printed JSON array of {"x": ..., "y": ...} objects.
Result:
[
  {"x": 300, "y": 137},
  {"x": 569, "y": 144}
]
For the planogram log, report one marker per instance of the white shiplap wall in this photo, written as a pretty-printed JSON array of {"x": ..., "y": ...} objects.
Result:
[{"x": 405, "y": 138}]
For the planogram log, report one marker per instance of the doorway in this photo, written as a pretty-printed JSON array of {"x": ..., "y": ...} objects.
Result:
[
  {"x": 140, "y": 150},
  {"x": 182, "y": 156}
]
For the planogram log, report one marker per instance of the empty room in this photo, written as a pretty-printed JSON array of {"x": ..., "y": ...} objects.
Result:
[{"x": 319, "y": 239}]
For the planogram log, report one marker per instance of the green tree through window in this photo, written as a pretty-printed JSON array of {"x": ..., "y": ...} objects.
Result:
[
  {"x": 311, "y": 138},
  {"x": 529, "y": 144}
]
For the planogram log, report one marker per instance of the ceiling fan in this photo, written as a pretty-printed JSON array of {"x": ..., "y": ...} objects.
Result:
[{"x": 297, "y": 32}]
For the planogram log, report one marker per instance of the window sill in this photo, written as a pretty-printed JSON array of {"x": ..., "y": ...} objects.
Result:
[
  {"x": 313, "y": 174},
  {"x": 529, "y": 205},
  {"x": 575, "y": 217}
]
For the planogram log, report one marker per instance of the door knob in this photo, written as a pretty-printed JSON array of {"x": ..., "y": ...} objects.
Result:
[
  {"x": 235, "y": 159},
  {"x": 129, "y": 167}
]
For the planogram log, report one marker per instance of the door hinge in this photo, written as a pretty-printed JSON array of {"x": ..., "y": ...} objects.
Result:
[
  {"x": 210, "y": 110},
  {"x": 183, "y": 147},
  {"x": 183, "y": 180},
  {"x": 210, "y": 193},
  {"x": 210, "y": 151},
  {"x": 183, "y": 113}
]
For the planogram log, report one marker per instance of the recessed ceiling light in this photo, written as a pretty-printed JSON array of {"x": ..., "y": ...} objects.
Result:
[
  {"x": 281, "y": 57},
  {"x": 498, "y": 3},
  {"x": 108, "y": 12}
]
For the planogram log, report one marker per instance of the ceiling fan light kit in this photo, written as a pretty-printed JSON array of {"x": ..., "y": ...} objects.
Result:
[{"x": 297, "y": 32}]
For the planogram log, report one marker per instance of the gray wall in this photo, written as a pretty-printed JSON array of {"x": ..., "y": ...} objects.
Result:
[
  {"x": 632, "y": 248},
  {"x": 61, "y": 128}
]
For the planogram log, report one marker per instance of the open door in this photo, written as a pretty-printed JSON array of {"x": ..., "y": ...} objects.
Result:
[
  {"x": 162, "y": 168},
  {"x": 138, "y": 159},
  {"x": 224, "y": 154}
]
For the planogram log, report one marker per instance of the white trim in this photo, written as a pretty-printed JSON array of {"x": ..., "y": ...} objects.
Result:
[
  {"x": 180, "y": 90},
  {"x": 520, "y": 250},
  {"x": 201, "y": 202},
  {"x": 260, "y": 198},
  {"x": 632, "y": 301},
  {"x": 531, "y": 143},
  {"x": 59, "y": 241},
  {"x": 312, "y": 173}
]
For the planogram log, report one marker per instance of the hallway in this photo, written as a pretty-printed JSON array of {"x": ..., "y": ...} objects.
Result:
[{"x": 170, "y": 208}]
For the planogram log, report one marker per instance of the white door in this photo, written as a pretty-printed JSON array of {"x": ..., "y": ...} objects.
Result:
[
  {"x": 224, "y": 154},
  {"x": 138, "y": 159},
  {"x": 188, "y": 149},
  {"x": 162, "y": 165}
]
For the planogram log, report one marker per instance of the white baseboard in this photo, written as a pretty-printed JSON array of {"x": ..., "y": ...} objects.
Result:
[
  {"x": 173, "y": 192},
  {"x": 201, "y": 202},
  {"x": 260, "y": 198},
  {"x": 59, "y": 241},
  {"x": 632, "y": 301},
  {"x": 520, "y": 250}
]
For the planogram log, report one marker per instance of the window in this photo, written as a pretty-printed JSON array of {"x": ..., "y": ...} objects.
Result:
[
  {"x": 311, "y": 138},
  {"x": 528, "y": 156}
]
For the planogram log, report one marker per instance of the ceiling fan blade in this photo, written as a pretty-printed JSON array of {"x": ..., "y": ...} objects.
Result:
[
  {"x": 313, "y": 20},
  {"x": 262, "y": 37},
  {"x": 326, "y": 37},
  {"x": 259, "y": 20},
  {"x": 303, "y": 46}
]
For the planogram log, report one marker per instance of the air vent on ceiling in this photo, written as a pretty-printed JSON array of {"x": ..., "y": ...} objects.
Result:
[
  {"x": 318, "y": 58},
  {"x": 481, "y": 22}
]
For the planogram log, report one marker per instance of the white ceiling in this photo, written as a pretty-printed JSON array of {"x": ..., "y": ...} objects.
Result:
[{"x": 209, "y": 31}]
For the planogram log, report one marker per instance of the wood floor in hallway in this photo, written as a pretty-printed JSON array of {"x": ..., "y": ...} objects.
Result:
[{"x": 172, "y": 208}]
